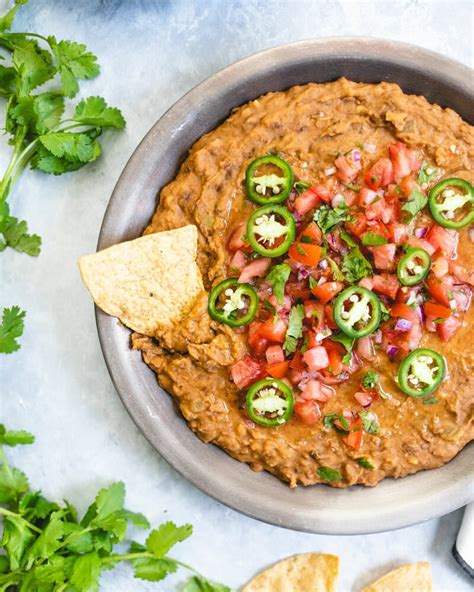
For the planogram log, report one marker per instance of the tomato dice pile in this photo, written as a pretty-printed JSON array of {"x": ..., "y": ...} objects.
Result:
[{"x": 351, "y": 228}]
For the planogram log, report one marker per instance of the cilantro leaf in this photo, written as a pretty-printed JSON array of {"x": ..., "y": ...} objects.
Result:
[
  {"x": 355, "y": 266},
  {"x": 301, "y": 186},
  {"x": 369, "y": 422},
  {"x": 7, "y": 81},
  {"x": 10, "y": 329},
  {"x": 33, "y": 65},
  {"x": 160, "y": 540},
  {"x": 326, "y": 217},
  {"x": 13, "y": 483},
  {"x": 73, "y": 62},
  {"x": 199, "y": 584},
  {"x": 372, "y": 239},
  {"x": 72, "y": 146},
  {"x": 48, "y": 163},
  {"x": 370, "y": 380},
  {"x": 278, "y": 277},
  {"x": 415, "y": 203},
  {"x": 94, "y": 111},
  {"x": 295, "y": 328},
  {"x": 336, "y": 272},
  {"x": 365, "y": 462},
  {"x": 48, "y": 541},
  {"x": 16, "y": 538},
  {"x": 6, "y": 21},
  {"x": 427, "y": 173},
  {"x": 14, "y": 438},
  {"x": 15, "y": 235},
  {"x": 348, "y": 343},
  {"x": 153, "y": 570},
  {"x": 329, "y": 474},
  {"x": 48, "y": 108},
  {"x": 86, "y": 572},
  {"x": 430, "y": 401},
  {"x": 347, "y": 238}
]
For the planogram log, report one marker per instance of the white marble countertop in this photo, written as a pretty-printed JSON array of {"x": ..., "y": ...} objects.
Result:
[{"x": 57, "y": 385}]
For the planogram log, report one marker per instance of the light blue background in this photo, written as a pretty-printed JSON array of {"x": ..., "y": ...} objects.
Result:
[{"x": 57, "y": 385}]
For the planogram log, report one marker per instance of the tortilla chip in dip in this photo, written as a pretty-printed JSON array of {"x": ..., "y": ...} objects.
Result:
[
  {"x": 415, "y": 577},
  {"x": 147, "y": 283},
  {"x": 308, "y": 572}
]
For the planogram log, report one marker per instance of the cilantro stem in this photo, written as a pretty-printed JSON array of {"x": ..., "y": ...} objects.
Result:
[{"x": 6, "y": 512}]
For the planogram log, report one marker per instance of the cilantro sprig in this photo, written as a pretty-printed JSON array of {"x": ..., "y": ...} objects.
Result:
[
  {"x": 41, "y": 134},
  {"x": 295, "y": 328},
  {"x": 47, "y": 547},
  {"x": 11, "y": 328}
]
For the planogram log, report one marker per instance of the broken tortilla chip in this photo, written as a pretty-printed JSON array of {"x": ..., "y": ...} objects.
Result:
[
  {"x": 415, "y": 577},
  {"x": 149, "y": 282},
  {"x": 308, "y": 572}
]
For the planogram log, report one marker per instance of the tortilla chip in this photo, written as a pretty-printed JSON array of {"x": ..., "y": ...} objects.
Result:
[
  {"x": 147, "y": 283},
  {"x": 415, "y": 577},
  {"x": 309, "y": 572}
]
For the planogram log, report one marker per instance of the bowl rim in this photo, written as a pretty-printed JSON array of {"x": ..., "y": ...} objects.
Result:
[{"x": 114, "y": 338}]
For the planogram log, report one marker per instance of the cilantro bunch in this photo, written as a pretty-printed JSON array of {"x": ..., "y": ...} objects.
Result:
[
  {"x": 37, "y": 75},
  {"x": 49, "y": 549}
]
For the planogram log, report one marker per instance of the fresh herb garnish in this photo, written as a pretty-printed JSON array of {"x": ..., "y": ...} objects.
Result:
[
  {"x": 269, "y": 306},
  {"x": 370, "y": 380},
  {"x": 348, "y": 343},
  {"x": 305, "y": 239},
  {"x": 355, "y": 266},
  {"x": 369, "y": 423},
  {"x": 278, "y": 277},
  {"x": 424, "y": 176},
  {"x": 301, "y": 186},
  {"x": 415, "y": 203},
  {"x": 47, "y": 547},
  {"x": 347, "y": 238},
  {"x": 295, "y": 328},
  {"x": 11, "y": 328},
  {"x": 364, "y": 462},
  {"x": 329, "y": 474},
  {"x": 385, "y": 311},
  {"x": 326, "y": 217},
  {"x": 330, "y": 419},
  {"x": 300, "y": 249},
  {"x": 312, "y": 283},
  {"x": 336, "y": 272},
  {"x": 430, "y": 401},
  {"x": 372, "y": 239}
]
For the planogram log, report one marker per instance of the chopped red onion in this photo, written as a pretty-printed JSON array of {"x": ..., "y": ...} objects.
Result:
[
  {"x": 303, "y": 273},
  {"x": 322, "y": 280},
  {"x": 330, "y": 171},
  {"x": 323, "y": 264},
  {"x": 378, "y": 337},
  {"x": 356, "y": 155},
  {"x": 420, "y": 312},
  {"x": 421, "y": 232},
  {"x": 371, "y": 148},
  {"x": 321, "y": 335},
  {"x": 392, "y": 350},
  {"x": 337, "y": 200},
  {"x": 332, "y": 243},
  {"x": 296, "y": 216},
  {"x": 403, "y": 325}
]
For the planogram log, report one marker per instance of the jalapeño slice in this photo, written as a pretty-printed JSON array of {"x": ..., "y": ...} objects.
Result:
[
  {"x": 413, "y": 267},
  {"x": 232, "y": 303},
  {"x": 269, "y": 402},
  {"x": 452, "y": 203},
  {"x": 271, "y": 231},
  {"x": 269, "y": 180},
  {"x": 421, "y": 372},
  {"x": 357, "y": 312}
]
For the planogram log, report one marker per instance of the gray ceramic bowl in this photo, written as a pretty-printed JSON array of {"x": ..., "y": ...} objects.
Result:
[{"x": 321, "y": 509}]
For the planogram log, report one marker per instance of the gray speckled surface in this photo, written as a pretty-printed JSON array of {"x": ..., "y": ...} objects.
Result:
[{"x": 57, "y": 384}]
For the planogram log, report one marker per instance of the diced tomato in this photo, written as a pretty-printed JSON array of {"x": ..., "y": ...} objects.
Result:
[
  {"x": 462, "y": 296},
  {"x": 257, "y": 268},
  {"x": 403, "y": 311},
  {"x": 305, "y": 253},
  {"x": 277, "y": 369},
  {"x": 366, "y": 282},
  {"x": 316, "y": 358},
  {"x": 325, "y": 191},
  {"x": 448, "y": 328},
  {"x": 347, "y": 167},
  {"x": 420, "y": 243},
  {"x": 365, "y": 348},
  {"x": 364, "y": 398},
  {"x": 246, "y": 371},
  {"x": 275, "y": 354},
  {"x": 329, "y": 316},
  {"x": 327, "y": 291},
  {"x": 376, "y": 210},
  {"x": 398, "y": 232},
  {"x": 315, "y": 390},
  {"x": 400, "y": 160},
  {"x": 355, "y": 436},
  {"x": 380, "y": 174},
  {"x": 307, "y": 411},
  {"x": 378, "y": 227},
  {"x": 257, "y": 343},
  {"x": 312, "y": 341},
  {"x": 236, "y": 239},
  {"x": 414, "y": 335},
  {"x": 358, "y": 225},
  {"x": 298, "y": 290},
  {"x": 274, "y": 330},
  {"x": 437, "y": 311},
  {"x": 238, "y": 261},
  {"x": 286, "y": 306},
  {"x": 442, "y": 239},
  {"x": 305, "y": 202},
  {"x": 297, "y": 363},
  {"x": 313, "y": 232},
  {"x": 366, "y": 197},
  {"x": 461, "y": 273},
  {"x": 440, "y": 289},
  {"x": 335, "y": 361},
  {"x": 313, "y": 309},
  {"x": 386, "y": 284},
  {"x": 440, "y": 266},
  {"x": 415, "y": 158},
  {"x": 383, "y": 255},
  {"x": 408, "y": 184}
]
